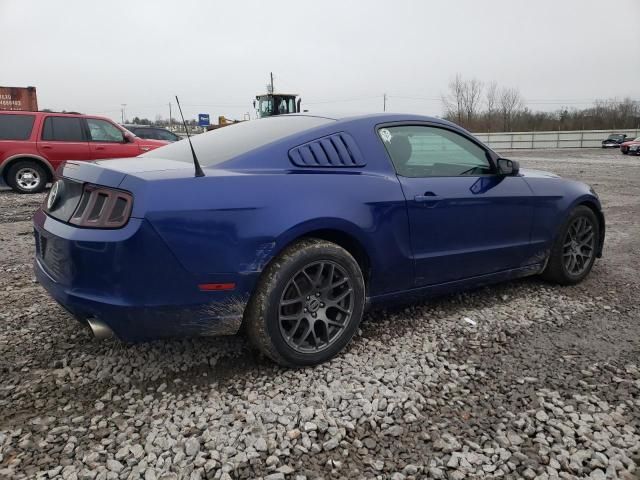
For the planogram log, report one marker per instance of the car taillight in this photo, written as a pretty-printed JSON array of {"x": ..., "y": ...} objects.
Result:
[{"x": 102, "y": 207}]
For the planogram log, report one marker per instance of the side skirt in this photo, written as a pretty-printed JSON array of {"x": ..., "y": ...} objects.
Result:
[{"x": 420, "y": 293}]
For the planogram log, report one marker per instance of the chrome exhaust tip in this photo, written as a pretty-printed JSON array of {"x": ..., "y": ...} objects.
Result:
[{"x": 100, "y": 329}]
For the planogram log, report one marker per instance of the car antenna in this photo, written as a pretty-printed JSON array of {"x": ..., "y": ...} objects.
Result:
[{"x": 196, "y": 164}]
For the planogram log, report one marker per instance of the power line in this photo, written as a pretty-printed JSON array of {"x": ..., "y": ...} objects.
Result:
[{"x": 340, "y": 100}]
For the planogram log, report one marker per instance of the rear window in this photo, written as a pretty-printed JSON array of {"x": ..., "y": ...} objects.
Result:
[
  {"x": 16, "y": 127},
  {"x": 225, "y": 143},
  {"x": 63, "y": 129}
]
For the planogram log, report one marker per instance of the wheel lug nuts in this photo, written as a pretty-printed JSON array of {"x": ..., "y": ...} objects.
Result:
[
  {"x": 308, "y": 297},
  {"x": 321, "y": 304},
  {"x": 317, "y": 294},
  {"x": 313, "y": 315},
  {"x": 305, "y": 310}
]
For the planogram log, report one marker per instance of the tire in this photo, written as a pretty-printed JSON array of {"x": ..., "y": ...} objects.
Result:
[
  {"x": 579, "y": 233},
  {"x": 27, "y": 176},
  {"x": 296, "y": 323}
]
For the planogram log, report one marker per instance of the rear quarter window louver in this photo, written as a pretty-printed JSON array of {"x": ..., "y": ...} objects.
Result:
[{"x": 334, "y": 151}]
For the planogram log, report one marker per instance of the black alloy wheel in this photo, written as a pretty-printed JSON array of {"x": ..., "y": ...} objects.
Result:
[
  {"x": 316, "y": 306},
  {"x": 307, "y": 305},
  {"x": 575, "y": 248},
  {"x": 579, "y": 246}
]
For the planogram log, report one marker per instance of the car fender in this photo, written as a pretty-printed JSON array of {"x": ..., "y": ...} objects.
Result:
[
  {"x": 555, "y": 198},
  {"x": 4, "y": 166},
  {"x": 322, "y": 228}
]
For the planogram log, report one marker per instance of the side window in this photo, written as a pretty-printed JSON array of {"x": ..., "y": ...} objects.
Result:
[
  {"x": 156, "y": 134},
  {"x": 165, "y": 135},
  {"x": 63, "y": 129},
  {"x": 420, "y": 151},
  {"x": 103, "y": 131},
  {"x": 16, "y": 127},
  {"x": 144, "y": 133}
]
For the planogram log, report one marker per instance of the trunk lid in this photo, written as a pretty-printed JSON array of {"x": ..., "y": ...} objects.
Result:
[
  {"x": 67, "y": 192},
  {"x": 111, "y": 173}
]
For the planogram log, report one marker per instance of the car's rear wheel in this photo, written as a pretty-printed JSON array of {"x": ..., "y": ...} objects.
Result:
[
  {"x": 308, "y": 304},
  {"x": 574, "y": 250},
  {"x": 27, "y": 176}
]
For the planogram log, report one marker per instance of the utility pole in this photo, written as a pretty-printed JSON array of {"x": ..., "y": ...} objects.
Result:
[
  {"x": 124, "y": 106},
  {"x": 384, "y": 102},
  {"x": 170, "y": 122},
  {"x": 271, "y": 73}
]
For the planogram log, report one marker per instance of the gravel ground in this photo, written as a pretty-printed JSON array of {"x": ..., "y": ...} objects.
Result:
[{"x": 543, "y": 382}]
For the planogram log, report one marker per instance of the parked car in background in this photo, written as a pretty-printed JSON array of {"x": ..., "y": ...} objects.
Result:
[
  {"x": 614, "y": 140},
  {"x": 634, "y": 148},
  {"x": 34, "y": 144},
  {"x": 152, "y": 133},
  {"x": 298, "y": 222},
  {"x": 626, "y": 146}
]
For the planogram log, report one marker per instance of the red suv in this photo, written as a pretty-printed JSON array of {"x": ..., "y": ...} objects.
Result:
[{"x": 34, "y": 144}]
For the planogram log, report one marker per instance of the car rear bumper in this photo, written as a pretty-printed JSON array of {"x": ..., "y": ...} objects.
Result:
[{"x": 130, "y": 281}]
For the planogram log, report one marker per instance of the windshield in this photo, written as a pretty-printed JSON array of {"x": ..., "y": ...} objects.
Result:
[
  {"x": 224, "y": 143},
  {"x": 614, "y": 137}
]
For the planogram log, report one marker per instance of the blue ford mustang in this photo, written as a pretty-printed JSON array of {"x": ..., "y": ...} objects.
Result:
[{"x": 297, "y": 224}]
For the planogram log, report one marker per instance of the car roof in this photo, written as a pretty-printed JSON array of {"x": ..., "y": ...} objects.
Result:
[{"x": 377, "y": 118}]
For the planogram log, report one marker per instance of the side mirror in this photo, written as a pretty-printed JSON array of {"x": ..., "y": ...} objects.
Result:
[{"x": 508, "y": 167}]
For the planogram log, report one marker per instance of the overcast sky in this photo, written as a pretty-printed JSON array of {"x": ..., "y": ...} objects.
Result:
[{"x": 338, "y": 55}]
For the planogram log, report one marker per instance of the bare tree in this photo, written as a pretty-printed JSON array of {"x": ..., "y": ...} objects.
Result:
[
  {"x": 510, "y": 103},
  {"x": 453, "y": 100},
  {"x": 492, "y": 103},
  {"x": 471, "y": 95},
  {"x": 504, "y": 109}
]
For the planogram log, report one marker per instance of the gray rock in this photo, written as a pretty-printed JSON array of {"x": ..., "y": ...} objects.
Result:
[
  {"x": 275, "y": 476},
  {"x": 114, "y": 465},
  {"x": 331, "y": 444},
  {"x": 191, "y": 446},
  {"x": 447, "y": 443},
  {"x": 286, "y": 469},
  {"x": 260, "y": 445},
  {"x": 436, "y": 472},
  {"x": 542, "y": 416},
  {"x": 150, "y": 474}
]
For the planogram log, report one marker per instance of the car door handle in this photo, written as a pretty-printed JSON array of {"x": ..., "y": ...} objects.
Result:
[
  {"x": 47, "y": 147},
  {"x": 99, "y": 148},
  {"x": 427, "y": 197}
]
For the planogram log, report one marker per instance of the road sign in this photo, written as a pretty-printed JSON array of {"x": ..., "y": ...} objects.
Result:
[{"x": 203, "y": 119}]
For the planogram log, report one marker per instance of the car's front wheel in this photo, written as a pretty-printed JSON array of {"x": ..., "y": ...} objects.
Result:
[
  {"x": 27, "y": 176},
  {"x": 574, "y": 250},
  {"x": 308, "y": 304}
]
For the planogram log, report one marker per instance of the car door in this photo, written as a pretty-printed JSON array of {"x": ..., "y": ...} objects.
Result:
[
  {"x": 63, "y": 138},
  {"x": 465, "y": 219},
  {"x": 108, "y": 141}
]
